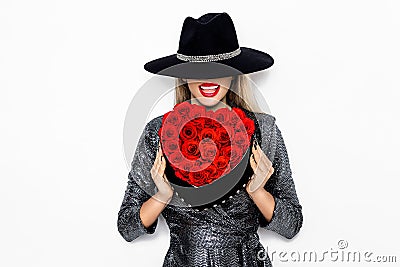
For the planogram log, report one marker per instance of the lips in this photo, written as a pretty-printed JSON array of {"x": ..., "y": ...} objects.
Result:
[{"x": 209, "y": 89}]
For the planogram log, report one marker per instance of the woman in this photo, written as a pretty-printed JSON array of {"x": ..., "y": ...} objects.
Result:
[{"x": 225, "y": 234}]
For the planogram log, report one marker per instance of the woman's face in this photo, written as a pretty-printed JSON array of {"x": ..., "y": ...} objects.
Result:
[{"x": 209, "y": 92}]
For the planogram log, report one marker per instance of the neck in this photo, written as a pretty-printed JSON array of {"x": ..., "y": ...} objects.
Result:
[{"x": 220, "y": 104}]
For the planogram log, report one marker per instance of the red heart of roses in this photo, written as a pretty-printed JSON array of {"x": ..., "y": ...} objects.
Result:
[{"x": 202, "y": 145}]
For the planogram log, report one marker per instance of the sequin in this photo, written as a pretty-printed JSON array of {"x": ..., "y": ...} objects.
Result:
[
  {"x": 209, "y": 58},
  {"x": 225, "y": 234}
]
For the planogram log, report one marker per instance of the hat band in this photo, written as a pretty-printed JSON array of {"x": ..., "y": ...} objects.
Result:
[{"x": 209, "y": 58}]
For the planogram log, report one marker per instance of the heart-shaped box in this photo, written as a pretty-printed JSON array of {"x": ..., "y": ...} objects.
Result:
[{"x": 207, "y": 152}]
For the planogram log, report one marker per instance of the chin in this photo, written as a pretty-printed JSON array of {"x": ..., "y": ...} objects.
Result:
[{"x": 209, "y": 102}]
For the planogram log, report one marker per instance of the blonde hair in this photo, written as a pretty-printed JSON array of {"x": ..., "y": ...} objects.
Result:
[{"x": 240, "y": 94}]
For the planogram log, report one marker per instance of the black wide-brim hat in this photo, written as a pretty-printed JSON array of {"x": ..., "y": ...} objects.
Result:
[{"x": 208, "y": 48}]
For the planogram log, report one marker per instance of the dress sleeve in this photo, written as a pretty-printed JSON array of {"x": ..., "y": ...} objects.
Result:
[
  {"x": 140, "y": 187},
  {"x": 287, "y": 217}
]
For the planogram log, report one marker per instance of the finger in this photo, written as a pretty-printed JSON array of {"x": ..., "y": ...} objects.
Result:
[
  {"x": 259, "y": 179},
  {"x": 159, "y": 151},
  {"x": 261, "y": 170},
  {"x": 157, "y": 157},
  {"x": 260, "y": 151},
  {"x": 158, "y": 167},
  {"x": 159, "y": 154},
  {"x": 253, "y": 146},
  {"x": 253, "y": 184},
  {"x": 260, "y": 156},
  {"x": 153, "y": 172},
  {"x": 157, "y": 163},
  {"x": 253, "y": 163},
  {"x": 271, "y": 171},
  {"x": 267, "y": 164},
  {"x": 163, "y": 160},
  {"x": 264, "y": 165},
  {"x": 166, "y": 179},
  {"x": 259, "y": 161},
  {"x": 265, "y": 159},
  {"x": 161, "y": 167},
  {"x": 257, "y": 155}
]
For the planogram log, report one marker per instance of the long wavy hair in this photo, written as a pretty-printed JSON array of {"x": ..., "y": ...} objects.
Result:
[{"x": 240, "y": 94}]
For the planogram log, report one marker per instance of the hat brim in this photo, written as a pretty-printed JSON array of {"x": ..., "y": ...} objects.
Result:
[{"x": 248, "y": 61}]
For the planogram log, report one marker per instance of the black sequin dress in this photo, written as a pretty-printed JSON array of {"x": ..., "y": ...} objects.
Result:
[{"x": 226, "y": 233}]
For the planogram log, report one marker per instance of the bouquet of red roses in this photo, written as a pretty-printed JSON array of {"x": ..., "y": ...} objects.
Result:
[{"x": 202, "y": 145}]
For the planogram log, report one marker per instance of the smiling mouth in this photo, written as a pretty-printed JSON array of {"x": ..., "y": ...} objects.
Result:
[{"x": 209, "y": 89}]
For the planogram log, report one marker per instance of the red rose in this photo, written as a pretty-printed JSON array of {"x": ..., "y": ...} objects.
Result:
[
  {"x": 183, "y": 109},
  {"x": 249, "y": 125},
  {"x": 189, "y": 131},
  {"x": 172, "y": 118},
  {"x": 239, "y": 112},
  {"x": 190, "y": 149},
  {"x": 197, "y": 111},
  {"x": 230, "y": 130},
  {"x": 241, "y": 139},
  {"x": 234, "y": 119},
  {"x": 208, "y": 133},
  {"x": 222, "y": 115},
  {"x": 208, "y": 150},
  {"x": 187, "y": 166},
  {"x": 175, "y": 158},
  {"x": 208, "y": 122},
  {"x": 184, "y": 170},
  {"x": 225, "y": 151},
  {"x": 211, "y": 172},
  {"x": 240, "y": 127},
  {"x": 199, "y": 123},
  {"x": 198, "y": 165},
  {"x": 236, "y": 156},
  {"x": 209, "y": 114},
  {"x": 216, "y": 124},
  {"x": 170, "y": 146},
  {"x": 222, "y": 137},
  {"x": 222, "y": 162},
  {"x": 168, "y": 132},
  {"x": 197, "y": 178}
]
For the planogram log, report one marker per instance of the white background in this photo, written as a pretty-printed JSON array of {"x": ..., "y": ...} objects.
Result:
[{"x": 69, "y": 69}]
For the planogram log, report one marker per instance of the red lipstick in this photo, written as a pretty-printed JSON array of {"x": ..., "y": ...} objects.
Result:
[{"x": 209, "y": 89}]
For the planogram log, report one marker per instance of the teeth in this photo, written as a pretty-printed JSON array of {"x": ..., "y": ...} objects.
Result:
[{"x": 209, "y": 87}]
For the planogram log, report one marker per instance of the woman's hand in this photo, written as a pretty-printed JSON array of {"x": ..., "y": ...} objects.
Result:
[
  {"x": 165, "y": 191},
  {"x": 262, "y": 168}
]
